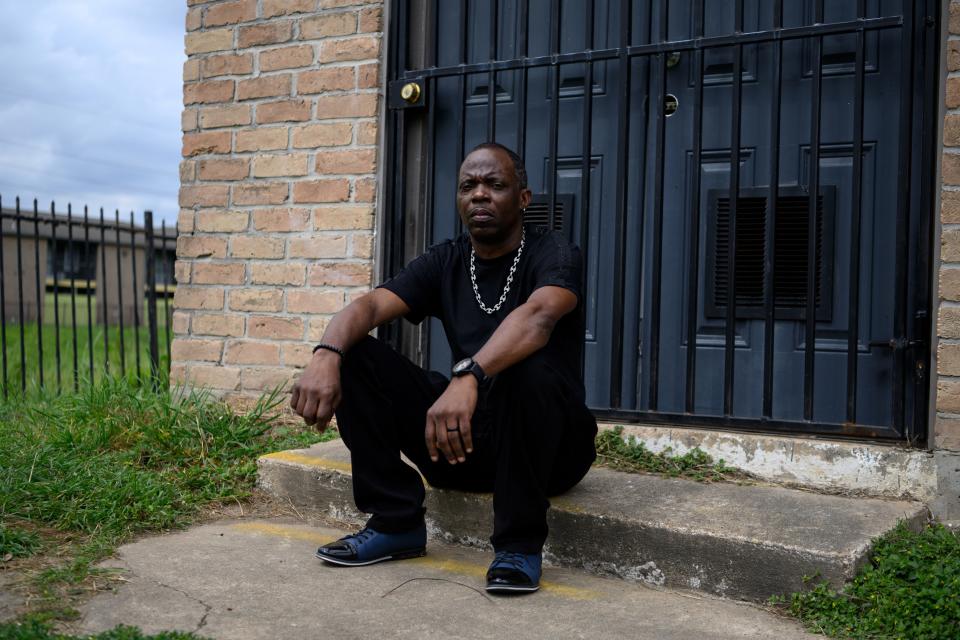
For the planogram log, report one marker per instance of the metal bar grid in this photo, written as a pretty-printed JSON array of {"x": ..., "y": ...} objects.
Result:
[
  {"x": 123, "y": 350},
  {"x": 730, "y": 325},
  {"x": 151, "y": 285},
  {"x": 433, "y": 55},
  {"x": 136, "y": 298},
  {"x": 73, "y": 299},
  {"x": 56, "y": 299},
  {"x": 553, "y": 126},
  {"x": 879, "y": 433},
  {"x": 693, "y": 281},
  {"x": 856, "y": 205},
  {"x": 63, "y": 262},
  {"x": 813, "y": 185},
  {"x": 103, "y": 282},
  {"x": 86, "y": 260},
  {"x": 679, "y": 46},
  {"x": 770, "y": 255},
  {"x": 22, "y": 324},
  {"x": 36, "y": 264},
  {"x": 462, "y": 84},
  {"x": 657, "y": 53},
  {"x": 903, "y": 207},
  {"x": 3, "y": 307},
  {"x": 523, "y": 47},
  {"x": 586, "y": 152},
  {"x": 167, "y": 317},
  {"x": 660, "y": 118},
  {"x": 620, "y": 224},
  {"x": 492, "y": 74}
]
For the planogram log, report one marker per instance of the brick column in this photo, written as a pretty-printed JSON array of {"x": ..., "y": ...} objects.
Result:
[
  {"x": 277, "y": 183},
  {"x": 947, "y": 426}
]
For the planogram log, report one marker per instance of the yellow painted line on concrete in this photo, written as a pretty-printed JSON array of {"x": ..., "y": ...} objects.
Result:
[
  {"x": 479, "y": 571},
  {"x": 311, "y": 461},
  {"x": 293, "y": 533},
  {"x": 432, "y": 562}
]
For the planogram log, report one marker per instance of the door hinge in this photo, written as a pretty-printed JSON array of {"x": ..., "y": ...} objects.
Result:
[{"x": 897, "y": 344}]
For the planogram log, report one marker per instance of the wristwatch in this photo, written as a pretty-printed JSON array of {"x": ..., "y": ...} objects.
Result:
[{"x": 469, "y": 365}]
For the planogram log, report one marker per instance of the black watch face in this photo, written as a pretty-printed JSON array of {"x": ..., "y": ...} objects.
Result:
[{"x": 463, "y": 365}]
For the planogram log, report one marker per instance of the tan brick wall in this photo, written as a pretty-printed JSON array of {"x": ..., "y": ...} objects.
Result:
[
  {"x": 946, "y": 427},
  {"x": 277, "y": 183}
]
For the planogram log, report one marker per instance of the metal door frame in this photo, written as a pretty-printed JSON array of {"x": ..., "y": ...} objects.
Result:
[{"x": 407, "y": 207}]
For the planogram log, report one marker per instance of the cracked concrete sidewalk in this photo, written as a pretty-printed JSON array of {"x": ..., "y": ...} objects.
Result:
[{"x": 257, "y": 578}]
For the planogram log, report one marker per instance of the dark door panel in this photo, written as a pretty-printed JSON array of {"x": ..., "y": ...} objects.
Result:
[{"x": 746, "y": 264}]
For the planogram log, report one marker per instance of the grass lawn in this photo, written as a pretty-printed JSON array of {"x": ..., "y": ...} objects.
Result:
[
  {"x": 84, "y": 472},
  {"x": 910, "y": 590},
  {"x": 100, "y": 350}
]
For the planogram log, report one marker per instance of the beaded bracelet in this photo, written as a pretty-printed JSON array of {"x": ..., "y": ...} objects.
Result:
[{"x": 328, "y": 347}]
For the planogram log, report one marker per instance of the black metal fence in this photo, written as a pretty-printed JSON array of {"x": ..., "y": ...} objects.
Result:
[{"x": 84, "y": 295}]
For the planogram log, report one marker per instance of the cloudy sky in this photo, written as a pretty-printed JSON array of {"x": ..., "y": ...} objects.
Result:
[{"x": 90, "y": 101}]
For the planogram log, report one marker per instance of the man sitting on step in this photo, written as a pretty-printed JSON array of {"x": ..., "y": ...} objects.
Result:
[{"x": 511, "y": 419}]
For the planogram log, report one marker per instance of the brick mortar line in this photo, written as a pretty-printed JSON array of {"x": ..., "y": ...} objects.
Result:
[
  {"x": 235, "y": 128},
  {"x": 240, "y": 155},
  {"x": 235, "y": 101},
  {"x": 323, "y": 11},
  {"x": 257, "y": 180},
  {"x": 316, "y": 66},
  {"x": 239, "y": 128},
  {"x": 295, "y": 32}
]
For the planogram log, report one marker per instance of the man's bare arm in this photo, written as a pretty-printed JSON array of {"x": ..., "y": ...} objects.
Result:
[
  {"x": 316, "y": 394},
  {"x": 526, "y": 330}
]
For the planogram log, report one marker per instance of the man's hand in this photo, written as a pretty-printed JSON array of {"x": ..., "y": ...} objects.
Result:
[
  {"x": 316, "y": 394},
  {"x": 448, "y": 421}
]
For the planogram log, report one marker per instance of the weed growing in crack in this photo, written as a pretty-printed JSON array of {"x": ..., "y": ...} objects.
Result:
[{"x": 629, "y": 454}]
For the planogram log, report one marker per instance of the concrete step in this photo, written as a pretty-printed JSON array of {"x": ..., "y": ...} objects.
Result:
[{"x": 737, "y": 541}]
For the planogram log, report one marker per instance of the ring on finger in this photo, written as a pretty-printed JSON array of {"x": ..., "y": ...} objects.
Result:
[{"x": 451, "y": 429}]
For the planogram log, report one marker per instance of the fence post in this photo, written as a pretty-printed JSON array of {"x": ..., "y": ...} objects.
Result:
[{"x": 151, "y": 277}]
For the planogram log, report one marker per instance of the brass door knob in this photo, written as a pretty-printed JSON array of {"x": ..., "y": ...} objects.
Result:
[
  {"x": 670, "y": 104},
  {"x": 410, "y": 92}
]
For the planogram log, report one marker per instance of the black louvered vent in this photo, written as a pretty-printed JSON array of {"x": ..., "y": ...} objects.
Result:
[
  {"x": 751, "y": 227},
  {"x": 538, "y": 211},
  {"x": 790, "y": 255}
]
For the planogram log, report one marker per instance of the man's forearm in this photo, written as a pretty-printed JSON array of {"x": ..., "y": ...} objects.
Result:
[
  {"x": 350, "y": 325},
  {"x": 526, "y": 330},
  {"x": 519, "y": 335}
]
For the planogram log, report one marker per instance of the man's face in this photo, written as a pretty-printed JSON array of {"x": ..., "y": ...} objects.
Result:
[{"x": 489, "y": 197}]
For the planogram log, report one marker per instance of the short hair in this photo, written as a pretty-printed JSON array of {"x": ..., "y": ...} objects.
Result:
[{"x": 519, "y": 168}]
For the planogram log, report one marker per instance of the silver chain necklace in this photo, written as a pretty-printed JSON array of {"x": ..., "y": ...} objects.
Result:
[{"x": 506, "y": 288}]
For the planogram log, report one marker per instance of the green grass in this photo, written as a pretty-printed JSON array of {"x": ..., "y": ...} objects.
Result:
[
  {"x": 119, "y": 459},
  {"x": 16, "y": 542},
  {"x": 101, "y": 342},
  {"x": 33, "y": 630},
  {"x": 910, "y": 590},
  {"x": 630, "y": 454}
]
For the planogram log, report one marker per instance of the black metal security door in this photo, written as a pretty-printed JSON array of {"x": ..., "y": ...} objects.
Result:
[{"x": 753, "y": 209}]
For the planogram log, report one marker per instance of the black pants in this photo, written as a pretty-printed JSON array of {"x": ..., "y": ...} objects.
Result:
[{"x": 533, "y": 437}]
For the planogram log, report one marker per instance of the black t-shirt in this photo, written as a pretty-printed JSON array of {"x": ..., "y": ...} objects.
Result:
[{"x": 438, "y": 284}]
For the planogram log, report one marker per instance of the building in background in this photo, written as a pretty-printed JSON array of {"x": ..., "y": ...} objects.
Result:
[{"x": 46, "y": 254}]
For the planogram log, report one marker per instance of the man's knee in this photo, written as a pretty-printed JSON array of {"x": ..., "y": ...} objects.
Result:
[{"x": 361, "y": 357}]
